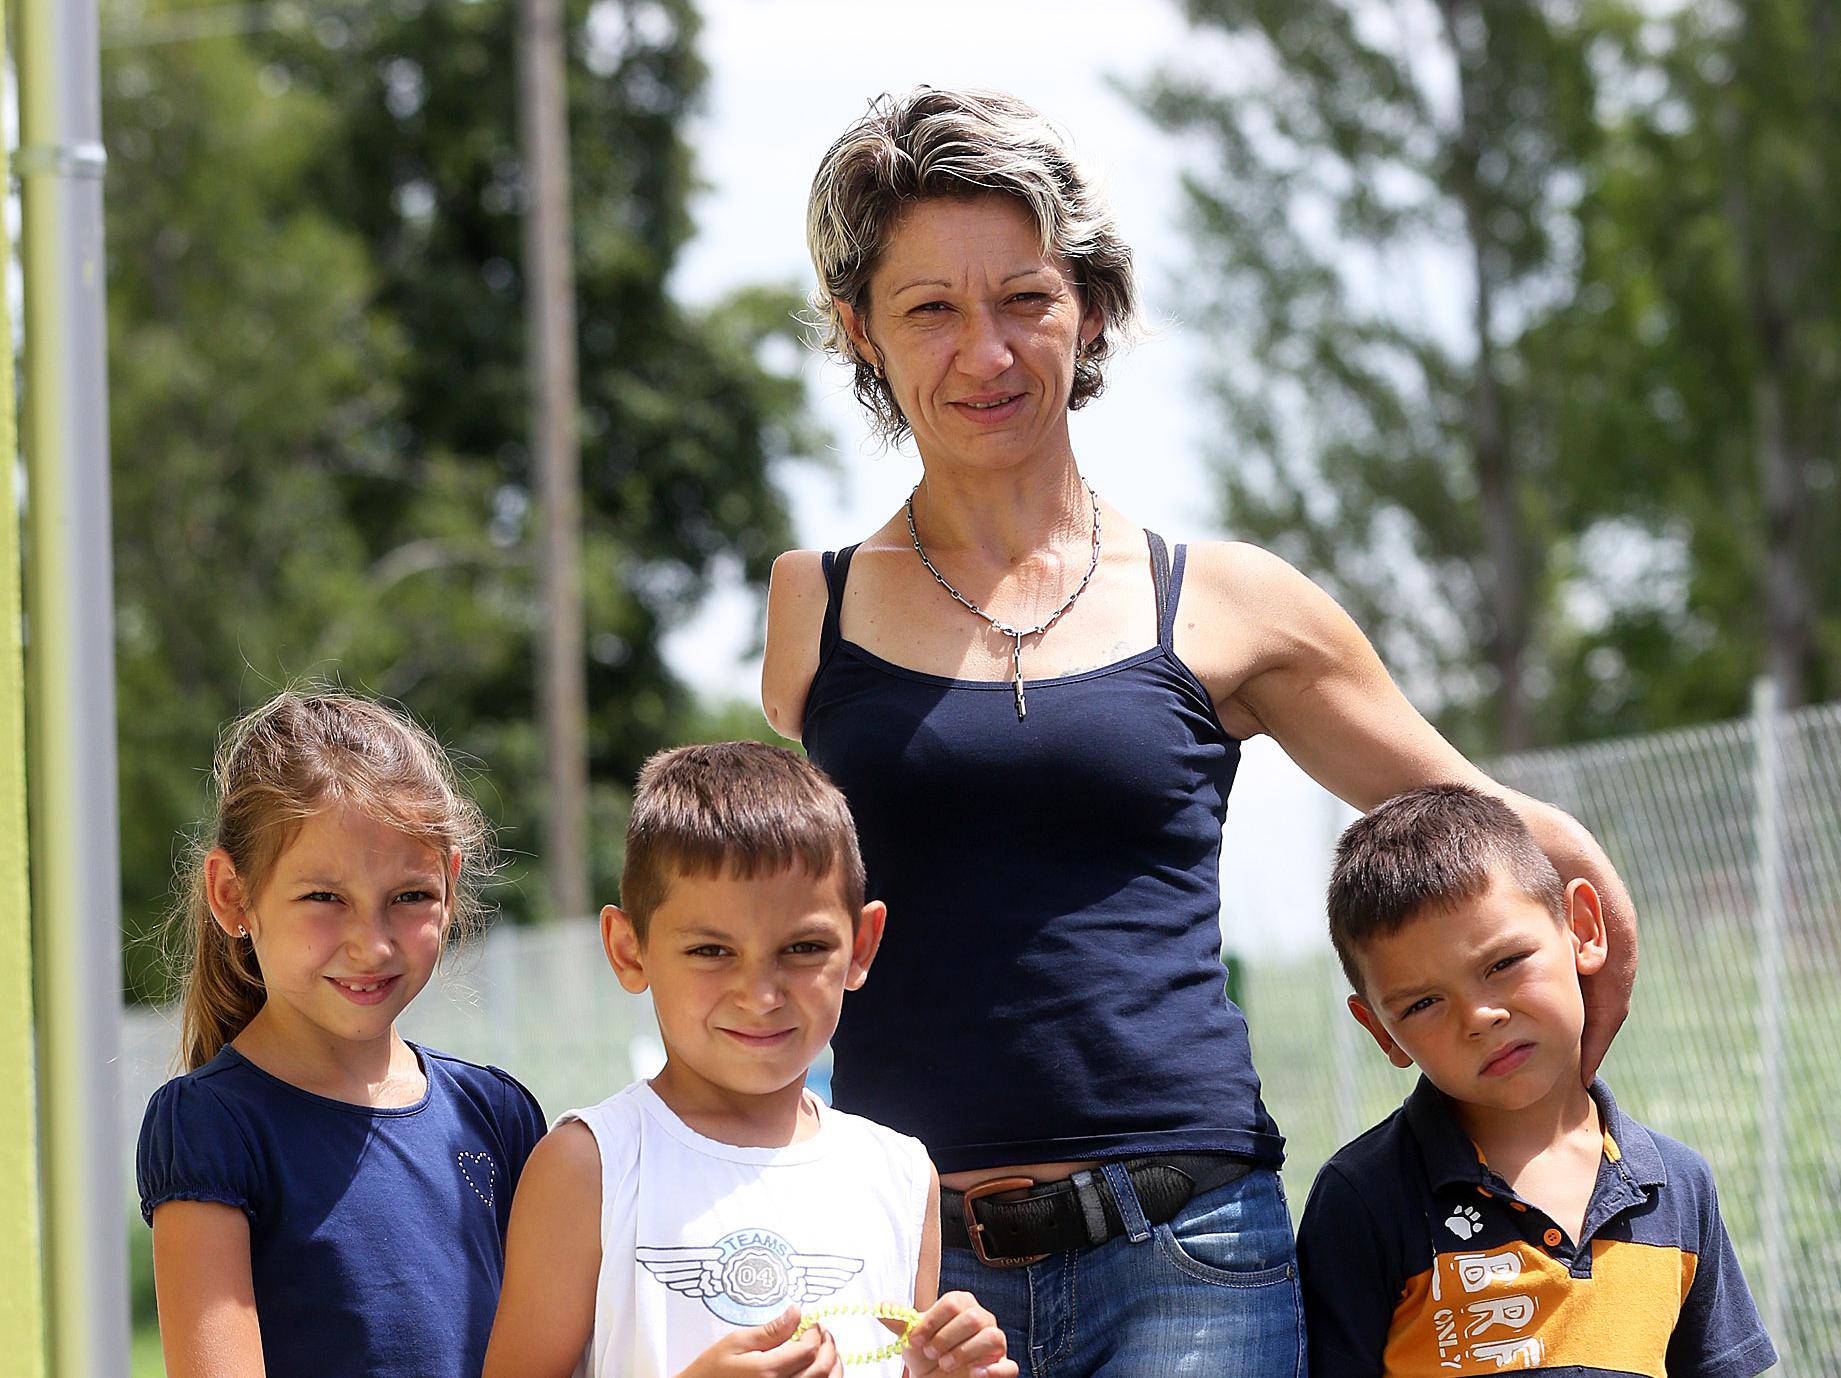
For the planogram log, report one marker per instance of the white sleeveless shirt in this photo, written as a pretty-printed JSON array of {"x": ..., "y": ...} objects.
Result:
[{"x": 699, "y": 1238}]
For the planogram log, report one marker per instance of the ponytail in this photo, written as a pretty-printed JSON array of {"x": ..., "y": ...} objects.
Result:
[{"x": 223, "y": 985}]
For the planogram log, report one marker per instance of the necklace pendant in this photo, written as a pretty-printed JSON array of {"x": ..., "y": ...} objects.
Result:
[{"x": 1016, "y": 671}]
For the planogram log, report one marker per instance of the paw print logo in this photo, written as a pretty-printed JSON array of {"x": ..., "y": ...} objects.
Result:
[{"x": 1464, "y": 1222}]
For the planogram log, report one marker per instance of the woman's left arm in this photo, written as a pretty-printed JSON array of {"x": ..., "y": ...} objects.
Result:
[{"x": 1286, "y": 660}]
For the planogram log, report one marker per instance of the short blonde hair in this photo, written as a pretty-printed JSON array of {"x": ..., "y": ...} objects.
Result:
[{"x": 957, "y": 144}]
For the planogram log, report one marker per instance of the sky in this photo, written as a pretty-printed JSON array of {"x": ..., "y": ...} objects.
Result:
[{"x": 786, "y": 77}]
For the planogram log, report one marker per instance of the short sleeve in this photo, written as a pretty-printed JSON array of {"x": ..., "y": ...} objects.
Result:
[
  {"x": 1349, "y": 1288},
  {"x": 521, "y": 1122},
  {"x": 192, "y": 1148},
  {"x": 1718, "y": 1334}
]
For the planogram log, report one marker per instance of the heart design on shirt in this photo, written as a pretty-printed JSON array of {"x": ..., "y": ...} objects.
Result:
[{"x": 487, "y": 1170}]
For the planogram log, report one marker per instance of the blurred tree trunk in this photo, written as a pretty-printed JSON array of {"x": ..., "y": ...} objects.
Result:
[
  {"x": 550, "y": 328},
  {"x": 1506, "y": 572}
]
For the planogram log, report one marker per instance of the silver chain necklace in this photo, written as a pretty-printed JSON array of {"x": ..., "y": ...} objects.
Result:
[{"x": 1016, "y": 634}]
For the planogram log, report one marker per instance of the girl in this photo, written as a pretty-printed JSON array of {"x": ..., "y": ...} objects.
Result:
[{"x": 326, "y": 1197}]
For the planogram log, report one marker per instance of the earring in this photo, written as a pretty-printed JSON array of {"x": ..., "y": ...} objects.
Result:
[{"x": 242, "y": 932}]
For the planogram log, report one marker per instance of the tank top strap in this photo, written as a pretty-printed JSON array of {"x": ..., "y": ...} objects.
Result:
[
  {"x": 1160, "y": 580},
  {"x": 837, "y": 571},
  {"x": 1166, "y": 618}
]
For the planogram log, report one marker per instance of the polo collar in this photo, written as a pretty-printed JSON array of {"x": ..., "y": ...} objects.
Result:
[{"x": 1451, "y": 1158}]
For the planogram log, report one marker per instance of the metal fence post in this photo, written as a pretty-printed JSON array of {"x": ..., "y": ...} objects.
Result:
[
  {"x": 70, "y": 698},
  {"x": 1768, "y": 834}
]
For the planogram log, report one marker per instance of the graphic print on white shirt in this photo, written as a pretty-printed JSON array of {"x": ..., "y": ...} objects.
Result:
[
  {"x": 700, "y": 1238},
  {"x": 748, "y": 1276}
]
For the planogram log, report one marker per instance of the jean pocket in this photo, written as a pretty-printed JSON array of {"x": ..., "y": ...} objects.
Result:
[
  {"x": 1200, "y": 1259},
  {"x": 1238, "y": 1235}
]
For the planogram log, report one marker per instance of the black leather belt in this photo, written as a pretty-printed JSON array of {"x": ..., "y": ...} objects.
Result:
[{"x": 1016, "y": 1220}]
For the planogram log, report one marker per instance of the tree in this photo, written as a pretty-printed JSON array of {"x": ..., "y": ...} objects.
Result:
[
  {"x": 1382, "y": 445},
  {"x": 1704, "y": 343},
  {"x": 249, "y": 370},
  {"x": 319, "y": 398}
]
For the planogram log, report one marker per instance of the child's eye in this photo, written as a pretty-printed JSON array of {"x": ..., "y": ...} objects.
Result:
[
  {"x": 416, "y": 896},
  {"x": 706, "y": 950},
  {"x": 1424, "y": 1002},
  {"x": 806, "y": 949},
  {"x": 320, "y": 897},
  {"x": 1506, "y": 963}
]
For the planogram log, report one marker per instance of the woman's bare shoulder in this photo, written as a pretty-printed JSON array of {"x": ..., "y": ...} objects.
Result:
[{"x": 1246, "y": 586}]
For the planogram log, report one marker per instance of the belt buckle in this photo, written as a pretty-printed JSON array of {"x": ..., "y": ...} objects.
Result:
[{"x": 974, "y": 1228}]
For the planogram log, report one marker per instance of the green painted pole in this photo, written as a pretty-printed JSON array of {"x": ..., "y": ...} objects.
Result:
[
  {"x": 22, "y": 1295},
  {"x": 70, "y": 692}
]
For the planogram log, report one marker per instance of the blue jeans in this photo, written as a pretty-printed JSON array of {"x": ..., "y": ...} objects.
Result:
[{"x": 1214, "y": 1291}]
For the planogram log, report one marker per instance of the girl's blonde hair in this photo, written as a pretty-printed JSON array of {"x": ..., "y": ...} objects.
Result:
[{"x": 303, "y": 751}]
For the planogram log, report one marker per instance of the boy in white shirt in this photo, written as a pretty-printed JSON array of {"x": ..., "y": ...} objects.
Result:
[{"x": 678, "y": 1228}]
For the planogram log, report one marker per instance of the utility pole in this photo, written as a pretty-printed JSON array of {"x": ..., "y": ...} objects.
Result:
[
  {"x": 70, "y": 688},
  {"x": 549, "y": 294}
]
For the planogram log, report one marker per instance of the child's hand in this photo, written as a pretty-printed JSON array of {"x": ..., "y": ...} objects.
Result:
[
  {"x": 957, "y": 1335},
  {"x": 763, "y": 1352}
]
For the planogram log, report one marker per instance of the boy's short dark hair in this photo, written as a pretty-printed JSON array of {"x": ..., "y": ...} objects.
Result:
[
  {"x": 1436, "y": 845},
  {"x": 734, "y": 808}
]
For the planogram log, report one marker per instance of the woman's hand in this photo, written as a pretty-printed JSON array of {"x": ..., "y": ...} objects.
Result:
[
  {"x": 957, "y": 1335},
  {"x": 769, "y": 1351}
]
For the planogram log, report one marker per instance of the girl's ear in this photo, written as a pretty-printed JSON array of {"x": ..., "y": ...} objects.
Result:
[
  {"x": 625, "y": 952},
  {"x": 1585, "y": 918},
  {"x": 224, "y": 893}
]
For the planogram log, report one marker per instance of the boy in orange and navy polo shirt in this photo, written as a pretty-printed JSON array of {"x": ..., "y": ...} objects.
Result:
[{"x": 1507, "y": 1216}]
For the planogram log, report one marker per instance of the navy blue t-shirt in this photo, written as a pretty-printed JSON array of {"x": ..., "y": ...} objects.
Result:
[{"x": 376, "y": 1236}]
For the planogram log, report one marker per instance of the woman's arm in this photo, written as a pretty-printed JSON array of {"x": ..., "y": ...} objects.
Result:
[
  {"x": 795, "y": 616},
  {"x": 552, "y": 1260},
  {"x": 203, "y": 1286},
  {"x": 1281, "y": 657}
]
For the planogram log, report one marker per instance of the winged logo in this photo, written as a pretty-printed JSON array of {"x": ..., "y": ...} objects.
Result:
[{"x": 748, "y": 1276}]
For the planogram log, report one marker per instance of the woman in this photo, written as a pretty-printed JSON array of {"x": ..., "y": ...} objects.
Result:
[{"x": 1036, "y": 710}]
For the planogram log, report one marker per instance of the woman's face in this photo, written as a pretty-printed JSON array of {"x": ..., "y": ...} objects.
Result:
[{"x": 976, "y": 329}]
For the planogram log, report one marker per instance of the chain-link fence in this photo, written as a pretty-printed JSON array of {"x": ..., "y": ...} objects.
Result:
[
  {"x": 1730, "y": 839},
  {"x": 539, "y": 1002}
]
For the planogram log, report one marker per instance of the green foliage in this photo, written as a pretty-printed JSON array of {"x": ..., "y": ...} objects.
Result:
[
  {"x": 1596, "y": 482},
  {"x": 1375, "y": 440},
  {"x": 319, "y": 405},
  {"x": 1704, "y": 332}
]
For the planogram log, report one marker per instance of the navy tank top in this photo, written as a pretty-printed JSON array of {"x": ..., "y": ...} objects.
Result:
[{"x": 1050, "y": 985}]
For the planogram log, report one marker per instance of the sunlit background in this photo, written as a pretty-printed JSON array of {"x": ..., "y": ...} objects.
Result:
[{"x": 1517, "y": 326}]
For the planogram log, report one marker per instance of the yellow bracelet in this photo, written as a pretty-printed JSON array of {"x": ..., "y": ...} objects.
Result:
[{"x": 884, "y": 1310}]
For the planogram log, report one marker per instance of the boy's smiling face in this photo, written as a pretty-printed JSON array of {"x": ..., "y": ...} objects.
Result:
[
  {"x": 747, "y": 977},
  {"x": 1484, "y": 994}
]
